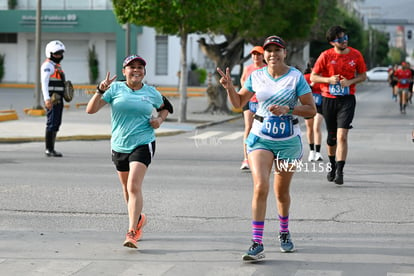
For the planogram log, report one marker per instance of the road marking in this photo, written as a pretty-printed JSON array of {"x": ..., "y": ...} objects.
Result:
[
  {"x": 61, "y": 267},
  {"x": 147, "y": 269},
  {"x": 216, "y": 134},
  {"x": 205, "y": 135},
  {"x": 318, "y": 273},
  {"x": 233, "y": 136}
]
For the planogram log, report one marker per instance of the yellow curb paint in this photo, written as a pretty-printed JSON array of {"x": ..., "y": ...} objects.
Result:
[
  {"x": 8, "y": 115},
  {"x": 35, "y": 112}
]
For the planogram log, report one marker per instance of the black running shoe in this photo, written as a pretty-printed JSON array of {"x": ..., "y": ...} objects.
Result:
[
  {"x": 339, "y": 179},
  {"x": 331, "y": 176}
]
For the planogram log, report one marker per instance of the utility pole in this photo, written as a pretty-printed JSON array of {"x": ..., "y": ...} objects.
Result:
[{"x": 38, "y": 89}]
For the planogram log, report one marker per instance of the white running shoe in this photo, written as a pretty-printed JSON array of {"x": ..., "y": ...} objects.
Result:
[
  {"x": 311, "y": 156},
  {"x": 245, "y": 165},
  {"x": 318, "y": 156}
]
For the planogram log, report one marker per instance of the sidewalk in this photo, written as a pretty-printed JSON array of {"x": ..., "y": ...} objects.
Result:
[{"x": 78, "y": 125}]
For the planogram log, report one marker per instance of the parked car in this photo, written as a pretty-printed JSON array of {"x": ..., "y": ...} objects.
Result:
[{"x": 377, "y": 74}]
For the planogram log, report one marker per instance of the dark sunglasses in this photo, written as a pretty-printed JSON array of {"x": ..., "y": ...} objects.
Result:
[{"x": 341, "y": 39}]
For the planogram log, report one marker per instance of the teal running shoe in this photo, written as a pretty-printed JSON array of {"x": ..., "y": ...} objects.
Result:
[
  {"x": 286, "y": 244},
  {"x": 255, "y": 252}
]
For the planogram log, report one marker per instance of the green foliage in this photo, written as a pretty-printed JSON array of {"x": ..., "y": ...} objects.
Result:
[
  {"x": 1, "y": 66},
  {"x": 202, "y": 75},
  {"x": 252, "y": 20},
  {"x": 379, "y": 48},
  {"x": 329, "y": 14},
  {"x": 93, "y": 65},
  {"x": 168, "y": 16},
  {"x": 12, "y": 4},
  {"x": 396, "y": 55}
]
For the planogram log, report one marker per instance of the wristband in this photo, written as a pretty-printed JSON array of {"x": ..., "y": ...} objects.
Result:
[
  {"x": 99, "y": 91},
  {"x": 290, "y": 110}
]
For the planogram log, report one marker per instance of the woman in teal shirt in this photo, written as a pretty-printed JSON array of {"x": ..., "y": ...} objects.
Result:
[{"x": 133, "y": 133}]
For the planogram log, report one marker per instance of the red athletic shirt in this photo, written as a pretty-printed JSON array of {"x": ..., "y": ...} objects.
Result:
[
  {"x": 404, "y": 77},
  {"x": 316, "y": 87},
  {"x": 347, "y": 65},
  {"x": 249, "y": 69}
]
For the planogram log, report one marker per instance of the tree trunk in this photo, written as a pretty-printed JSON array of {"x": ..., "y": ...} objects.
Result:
[
  {"x": 183, "y": 79},
  {"x": 226, "y": 54}
]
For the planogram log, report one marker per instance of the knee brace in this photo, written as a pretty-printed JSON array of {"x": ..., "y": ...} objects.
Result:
[{"x": 331, "y": 139}]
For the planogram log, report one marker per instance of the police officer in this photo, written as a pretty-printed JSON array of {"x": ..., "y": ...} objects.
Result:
[{"x": 53, "y": 85}]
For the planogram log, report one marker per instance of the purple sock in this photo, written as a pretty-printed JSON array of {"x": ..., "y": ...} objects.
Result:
[
  {"x": 257, "y": 231},
  {"x": 284, "y": 223}
]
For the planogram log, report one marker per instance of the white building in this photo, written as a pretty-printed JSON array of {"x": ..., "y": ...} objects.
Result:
[{"x": 81, "y": 24}]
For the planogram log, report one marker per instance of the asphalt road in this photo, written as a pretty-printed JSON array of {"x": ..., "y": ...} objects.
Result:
[{"x": 67, "y": 216}]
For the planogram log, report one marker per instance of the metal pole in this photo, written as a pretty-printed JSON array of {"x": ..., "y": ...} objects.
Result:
[
  {"x": 127, "y": 39},
  {"x": 38, "y": 40}
]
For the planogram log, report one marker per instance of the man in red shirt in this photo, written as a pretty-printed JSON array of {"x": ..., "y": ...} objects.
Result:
[
  {"x": 404, "y": 77},
  {"x": 338, "y": 70}
]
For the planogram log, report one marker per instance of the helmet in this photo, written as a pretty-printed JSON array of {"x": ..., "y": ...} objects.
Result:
[{"x": 53, "y": 47}]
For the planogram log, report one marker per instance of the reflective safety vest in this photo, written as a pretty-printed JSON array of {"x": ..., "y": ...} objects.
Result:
[{"x": 57, "y": 81}]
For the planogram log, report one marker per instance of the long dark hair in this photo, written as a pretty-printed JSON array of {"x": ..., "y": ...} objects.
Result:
[{"x": 309, "y": 65}]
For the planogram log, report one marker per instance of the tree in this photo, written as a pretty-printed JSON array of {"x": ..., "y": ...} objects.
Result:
[
  {"x": 251, "y": 21},
  {"x": 174, "y": 17},
  {"x": 240, "y": 22}
]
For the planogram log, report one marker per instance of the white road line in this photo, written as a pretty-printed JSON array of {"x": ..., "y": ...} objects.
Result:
[
  {"x": 318, "y": 273},
  {"x": 205, "y": 135},
  {"x": 233, "y": 136}
]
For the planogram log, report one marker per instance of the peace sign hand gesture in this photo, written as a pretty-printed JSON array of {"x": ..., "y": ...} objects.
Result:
[
  {"x": 104, "y": 85},
  {"x": 225, "y": 79}
]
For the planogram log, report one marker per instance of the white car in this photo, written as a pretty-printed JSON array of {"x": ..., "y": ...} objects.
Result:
[{"x": 377, "y": 74}]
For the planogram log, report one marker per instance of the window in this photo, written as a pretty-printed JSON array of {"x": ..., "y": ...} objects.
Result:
[
  {"x": 161, "y": 55},
  {"x": 8, "y": 37}
]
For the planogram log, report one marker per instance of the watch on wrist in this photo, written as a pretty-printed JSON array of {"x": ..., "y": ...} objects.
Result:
[
  {"x": 99, "y": 91},
  {"x": 290, "y": 110}
]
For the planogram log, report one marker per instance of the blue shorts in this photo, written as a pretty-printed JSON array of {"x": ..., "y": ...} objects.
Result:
[{"x": 290, "y": 150}]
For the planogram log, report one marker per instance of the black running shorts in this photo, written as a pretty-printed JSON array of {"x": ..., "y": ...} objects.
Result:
[
  {"x": 338, "y": 112},
  {"x": 142, "y": 154}
]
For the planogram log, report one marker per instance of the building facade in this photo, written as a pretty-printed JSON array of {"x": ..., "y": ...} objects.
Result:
[{"x": 82, "y": 25}]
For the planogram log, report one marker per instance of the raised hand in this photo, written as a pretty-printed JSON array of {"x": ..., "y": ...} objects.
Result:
[
  {"x": 104, "y": 85},
  {"x": 225, "y": 79}
]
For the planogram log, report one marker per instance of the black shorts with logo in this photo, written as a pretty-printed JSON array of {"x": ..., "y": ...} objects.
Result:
[
  {"x": 338, "y": 112},
  {"x": 142, "y": 154}
]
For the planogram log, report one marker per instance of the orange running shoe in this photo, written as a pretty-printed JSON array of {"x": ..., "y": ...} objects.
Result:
[
  {"x": 131, "y": 239},
  {"x": 140, "y": 226}
]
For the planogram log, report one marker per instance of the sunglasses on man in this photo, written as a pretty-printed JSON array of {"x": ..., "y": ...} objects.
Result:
[{"x": 341, "y": 39}]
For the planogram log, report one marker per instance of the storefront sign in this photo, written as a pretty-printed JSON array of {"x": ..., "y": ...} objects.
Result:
[{"x": 51, "y": 20}]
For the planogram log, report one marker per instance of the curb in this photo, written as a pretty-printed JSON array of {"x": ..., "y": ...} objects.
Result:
[
  {"x": 95, "y": 137},
  {"x": 8, "y": 115}
]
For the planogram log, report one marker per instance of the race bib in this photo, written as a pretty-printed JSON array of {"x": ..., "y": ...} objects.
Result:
[
  {"x": 253, "y": 107},
  {"x": 278, "y": 126},
  {"x": 317, "y": 98},
  {"x": 338, "y": 90}
]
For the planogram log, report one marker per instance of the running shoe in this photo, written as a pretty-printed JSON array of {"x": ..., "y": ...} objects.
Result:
[
  {"x": 286, "y": 244},
  {"x": 140, "y": 225},
  {"x": 339, "y": 179},
  {"x": 318, "y": 157},
  {"x": 331, "y": 176},
  {"x": 255, "y": 252},
  {"x": 131, "y": 239},
  {"x": 311, "y": 156},
  {"x": 245, "y": 165}
]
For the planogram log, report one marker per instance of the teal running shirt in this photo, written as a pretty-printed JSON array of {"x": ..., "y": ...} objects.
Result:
[{"x": 131, "y": 111}]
